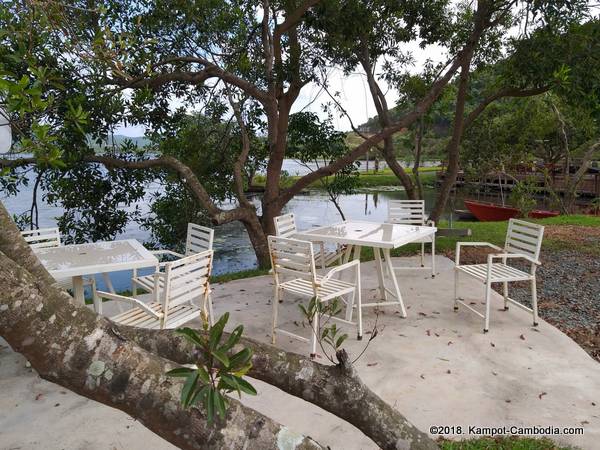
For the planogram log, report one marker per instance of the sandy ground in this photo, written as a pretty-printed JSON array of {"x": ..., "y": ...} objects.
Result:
[{"x": 436, "y": 367}]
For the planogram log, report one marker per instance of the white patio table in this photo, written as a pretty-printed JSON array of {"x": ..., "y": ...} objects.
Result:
[
  {"x": 78, "y": 260},
  {"x": 382, "y": 237}
]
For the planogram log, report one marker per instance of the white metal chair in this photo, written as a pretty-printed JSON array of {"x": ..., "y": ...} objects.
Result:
[
  {"x": 285, "y": 226},
  {"x": 42, "y": 237},
  {"x": 175, "y": 291},
  {"x": 523, "y": 241},
  {"x": 412, "y": 212},
  {"x": 199, "y": 239},
  {"x": 295, "y": 258}
]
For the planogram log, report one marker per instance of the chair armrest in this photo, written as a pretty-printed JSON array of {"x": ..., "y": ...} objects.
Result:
[
  {"x": 493, "y": 256},
  {"x": 471, "y": 244},
  {"x": 339, "y": 268},
  {"x": 167, "y": 252},
  {"x": 122, "y": 298}
]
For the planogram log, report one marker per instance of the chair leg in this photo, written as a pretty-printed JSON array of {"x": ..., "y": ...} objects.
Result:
[
  {"x": 433, "y": 257},
  {"x": 359, "y": 303},
  {"x": 350, "y": 306},
  {"x": 455, "y": 290},
  {"x": 322, "y": 256},
  {"x": 534, "y": 305},
  {"x": 422, "y": 254},
  {"x": 315, "y": 333},
  {"x": 97, "y": 300},
  {"x": 488, "y": 295},
  {"x": 505, "y": 294},
  {"x": 134, "y": 284},
  {"x": 276, "y": 300}
]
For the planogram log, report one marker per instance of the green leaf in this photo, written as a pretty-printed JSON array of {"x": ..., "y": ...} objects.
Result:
[
  {"x": 180, "y": 372},
  {"x": 222, "y": 357},
  {"x": 230, "y": 382},
  {"x": 200, "y": 396},
  {"x": 241, "y": 358},
  {"x": 219, "y": 401},
  {"x": 210, "y": 404},
  {"x": 191, "y": 336},
  {"x": 341, "y": 340},
  {"x": 234, "y": 338},
  {"x": 216, "y": 331},
  {"x": 188, "y": 389},
  {"x": 245, "y": 386},
  {"x": 203, "y": 375}
]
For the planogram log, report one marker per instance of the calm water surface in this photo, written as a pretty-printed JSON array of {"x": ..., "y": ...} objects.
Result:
[{"x": 233, "y": 251}]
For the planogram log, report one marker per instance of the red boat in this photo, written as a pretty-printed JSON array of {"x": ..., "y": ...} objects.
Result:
[{"x": 491, "y": 212}]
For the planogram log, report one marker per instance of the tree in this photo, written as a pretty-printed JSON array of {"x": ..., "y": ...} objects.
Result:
[
  {"x": 119, "y": 63},
  {"x": 557, "y": 44},
  {"x": 125, "y": 367}
]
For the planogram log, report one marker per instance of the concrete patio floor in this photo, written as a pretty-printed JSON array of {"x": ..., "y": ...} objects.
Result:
[{"x": 436, "y": 366}]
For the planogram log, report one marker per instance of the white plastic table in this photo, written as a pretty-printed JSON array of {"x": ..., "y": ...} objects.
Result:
[
  {"x": 382, "y": 237},
  {"x": 78, "y": 260}
]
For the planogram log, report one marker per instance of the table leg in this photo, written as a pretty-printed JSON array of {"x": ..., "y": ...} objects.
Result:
[
  {"x": 78, "y": 293},
  {"x": 350, "y": 302},
  {"x": 108, "y": 283},
  {"x": 397, "y": 294},
  {"x": 347, "y": 253},
  {"x": 380, "y": 276}
]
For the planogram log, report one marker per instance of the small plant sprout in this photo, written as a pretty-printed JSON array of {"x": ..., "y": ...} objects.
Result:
[
  {"x": 330, "y": 336},
  {"x": 219, "y": 370}
]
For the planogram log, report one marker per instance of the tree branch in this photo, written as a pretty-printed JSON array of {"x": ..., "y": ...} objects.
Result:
[
  {"x": 93, "y": 360},
  {"x": 333, "y": 388},
  {"x": 218, "y": 216},
  {"x": 211, "y": 70}
]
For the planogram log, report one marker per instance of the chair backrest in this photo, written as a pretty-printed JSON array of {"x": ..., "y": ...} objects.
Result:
[
  {"x": 42, "y": 237},
  {"x": 406, "y": 212},
  {"x": 199, "y": 239},
  {"x": 525, "y": 238},
  {"x": 292, "y": 257},
  {"x": 185, "y": 279},
  {"x": 285, "y": 225}
]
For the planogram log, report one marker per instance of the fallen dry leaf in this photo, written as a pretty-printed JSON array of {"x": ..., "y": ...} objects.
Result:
[
  {"x": 541, "y": 395},
  {"x": 372, "y": 364},
  {"x": 522, "y": 337},
  {"x": 422, "y": 376}
]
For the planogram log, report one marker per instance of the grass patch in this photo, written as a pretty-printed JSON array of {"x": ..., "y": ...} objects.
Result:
[
  {"x": 384, "y": 177},
  {"x": 224, "y": 278},
  {"x": 493, "y": 232},
  {"x": 502, "y": 443}
]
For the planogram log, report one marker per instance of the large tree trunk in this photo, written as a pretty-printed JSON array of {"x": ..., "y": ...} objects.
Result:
[
  {"x": 453, "y": 146},
  {"x": 258, "y": 238},
  {"x": 124, "y": 367},
  {"x": 71, "y": 346},
  {"x": 417, "y": 163}
]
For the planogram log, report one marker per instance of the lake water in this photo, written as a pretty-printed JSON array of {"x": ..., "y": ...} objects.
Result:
[{"x": 233, "y": 251}]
